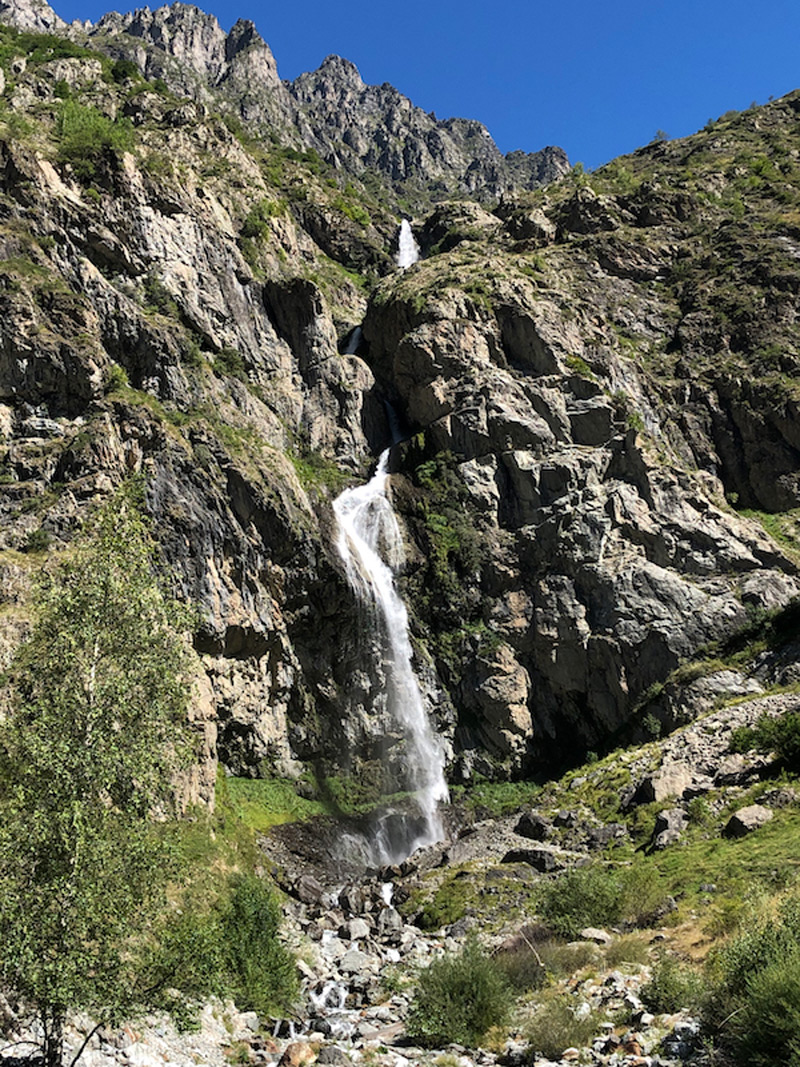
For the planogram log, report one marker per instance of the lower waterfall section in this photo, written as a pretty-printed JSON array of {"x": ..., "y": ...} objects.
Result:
[{"x": 371, "y": 547}]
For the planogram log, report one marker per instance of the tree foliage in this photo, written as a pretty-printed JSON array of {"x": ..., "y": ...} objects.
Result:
[{"x": 88, "y": 749}]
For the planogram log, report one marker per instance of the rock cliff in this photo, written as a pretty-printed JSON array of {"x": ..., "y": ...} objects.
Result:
[{"x": 598, "y": 380}]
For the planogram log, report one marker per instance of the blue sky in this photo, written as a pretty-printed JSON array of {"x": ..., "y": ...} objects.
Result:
[{"x": 596, "y": 78}]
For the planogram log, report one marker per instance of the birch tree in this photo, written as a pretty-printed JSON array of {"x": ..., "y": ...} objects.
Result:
[{"x": 95, "y": 704}]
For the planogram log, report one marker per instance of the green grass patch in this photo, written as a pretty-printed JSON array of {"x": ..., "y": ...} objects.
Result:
[
  {"x": 261, "y": 803},
  {"x": 492, "y": 799}
]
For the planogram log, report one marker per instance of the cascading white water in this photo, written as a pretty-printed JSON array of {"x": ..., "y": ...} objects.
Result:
[
  {"x": 407, "y": 247},
  {"x": 354, "y": 341},
  {"x": 371, "y": 546}
]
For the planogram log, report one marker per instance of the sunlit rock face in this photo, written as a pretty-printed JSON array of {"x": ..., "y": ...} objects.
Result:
[{"x": 584, "y": 402}]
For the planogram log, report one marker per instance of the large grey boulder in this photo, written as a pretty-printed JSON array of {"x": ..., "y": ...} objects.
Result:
[{"x": 745, "y": 820}]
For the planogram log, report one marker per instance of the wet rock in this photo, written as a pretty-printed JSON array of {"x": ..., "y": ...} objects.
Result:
[
  {"x": 746, "y": 820},
  {"x": 352, "y": 899},
  {"x": 390, "y": 923}
]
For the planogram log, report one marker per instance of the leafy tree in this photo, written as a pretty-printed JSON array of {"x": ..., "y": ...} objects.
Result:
[{"x": 95, "y": 702}]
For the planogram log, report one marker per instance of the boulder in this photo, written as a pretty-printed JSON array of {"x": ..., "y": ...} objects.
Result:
[
  {"x": 592, "y": 933},
  {"x": 298, "y": 1054},
  {"x": 533, "y": 825},
  {"x": 670, "y": 780},
  {"x": 355, "y": 930},
  {"x": 668, "y": 828},
  {"x": 308, "y": 890},
  {"x": 541, "y": 859},
  {"x": 747, "y": 819}
]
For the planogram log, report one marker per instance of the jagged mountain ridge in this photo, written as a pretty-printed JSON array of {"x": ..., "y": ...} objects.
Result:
[
  {"x": 596, "y": 373},
  {"x": 353, "y": 126}
]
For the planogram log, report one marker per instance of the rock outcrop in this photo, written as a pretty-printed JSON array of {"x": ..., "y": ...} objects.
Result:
[{"x": 589, "y": 401}]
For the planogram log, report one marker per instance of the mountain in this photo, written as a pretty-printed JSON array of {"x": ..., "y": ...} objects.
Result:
[
  {"x": 367, "y": 131},
  {"x": 599, "y": 485}
]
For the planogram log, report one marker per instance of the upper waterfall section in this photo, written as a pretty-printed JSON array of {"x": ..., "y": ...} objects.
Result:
[{"x": 407, "y": 247}]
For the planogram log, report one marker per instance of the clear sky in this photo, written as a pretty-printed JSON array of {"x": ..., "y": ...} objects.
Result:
[{"x": 598, "y": 78}]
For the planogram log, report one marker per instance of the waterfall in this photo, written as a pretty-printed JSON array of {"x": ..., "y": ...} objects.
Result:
[
  {"x": 371, "y": 546},
  {"x": 407, "y": 247},
  {"x": 353, "y": 342}
]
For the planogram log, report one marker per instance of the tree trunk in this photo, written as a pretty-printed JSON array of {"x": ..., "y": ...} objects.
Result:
[{"x": 53, "y": 1043}]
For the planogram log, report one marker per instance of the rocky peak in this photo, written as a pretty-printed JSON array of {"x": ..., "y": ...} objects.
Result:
[
  {"x": 195, "y": 57},
  {"x": 360, "y": 126},
  {"x": 36, "y": 15},
  {"x": 181, "y": 31}
]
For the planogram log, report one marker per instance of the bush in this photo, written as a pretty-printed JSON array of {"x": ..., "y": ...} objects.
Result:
[
  {"x": 781, "y": 736},
  {"x": 256, "y": 224},
  {"x": 672, "y": 988},
  {"x": 523, "y": 967},
  {"x": 114, "y": 379},
  {"x": 231, "y": 950},
  {"x": 458, "y": 999},
  {"x": 85, "y": 134},
  {"x": 755, "y": 1000},
  {"x": 600, "y": 896},
  {"x": 124, "y": 70},
  {"x": 555, "y": 1026},
  {"x": 261, "y": 972}
]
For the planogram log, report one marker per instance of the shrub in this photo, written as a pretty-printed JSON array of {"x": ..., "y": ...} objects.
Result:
[
  {"x": 231, "y": 362},
  {"x": 458, "y": 998},
  {"x": 523, "y": 967},
  {"x": 114, "y": 379},
  {"x": 256, "y": 224},
  {"x": 555, "y": 1025},
  {"x": 631, "y": 948},
  {"x": 85, "y": 134},
  {"x": 672, "y": 987},
  {"x": 261, "y": 973},
  {"x": 599, "y": 896},
  {"x": 124, "y": 70},
  {"x": 36, "y": 541},
  {"x": 231, "y": 950},
  {"x": 779, "y": 735},
  {"x": 755, "y": 1000}
]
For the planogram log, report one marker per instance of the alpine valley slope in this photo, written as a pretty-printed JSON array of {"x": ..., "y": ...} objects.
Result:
[{"x": 597, "y": 378}]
